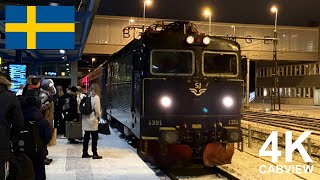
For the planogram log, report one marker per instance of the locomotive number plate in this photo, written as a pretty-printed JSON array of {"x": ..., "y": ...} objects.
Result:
[
  {"x": 233, "y": 122},
  {"x": 155, "y": 123},
  {"x": 196, "y": 126}
]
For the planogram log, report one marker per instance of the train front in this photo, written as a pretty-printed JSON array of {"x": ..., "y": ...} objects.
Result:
[{"x": 192, "y": 100}]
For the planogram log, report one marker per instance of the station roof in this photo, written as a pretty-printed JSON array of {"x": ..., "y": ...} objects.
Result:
[{"x": 85, "y": 11}]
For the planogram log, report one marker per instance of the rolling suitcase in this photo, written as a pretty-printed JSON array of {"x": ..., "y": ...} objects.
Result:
[{"x": 73, "y": 130}]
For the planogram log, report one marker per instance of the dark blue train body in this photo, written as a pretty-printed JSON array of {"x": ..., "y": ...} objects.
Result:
[{"x": 175, "y": 87}]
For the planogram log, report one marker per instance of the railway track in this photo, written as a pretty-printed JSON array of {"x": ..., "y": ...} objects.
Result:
[{"x": 284, "y": 121}]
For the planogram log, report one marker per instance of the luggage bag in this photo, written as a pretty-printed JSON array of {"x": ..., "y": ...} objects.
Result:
[{"x": 73, "y": 130}]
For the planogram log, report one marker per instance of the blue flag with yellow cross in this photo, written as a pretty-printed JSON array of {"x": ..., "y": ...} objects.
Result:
[{"x": 40, "y": 27}]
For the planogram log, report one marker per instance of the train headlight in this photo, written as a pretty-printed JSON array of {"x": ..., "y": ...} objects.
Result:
[
  {"x": 206, "y": 40},
  {"x": 166, "y": 101},
  {"x": 227, "y": 102},
  {"x": 170, "y": 137},
  {"x": 190, "y": 39}
]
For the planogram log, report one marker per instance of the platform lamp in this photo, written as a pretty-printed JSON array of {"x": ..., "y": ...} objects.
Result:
[
  {"x": 93, "y": 60},
  {"x": 207, "y": 13},
  {"x": 234, "y": 30},
  {"x": 276, "y": 95},
  {"x": 145, "y": 4}
]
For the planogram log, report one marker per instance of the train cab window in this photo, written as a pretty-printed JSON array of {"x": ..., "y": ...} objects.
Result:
[
  {"x": 219, "y": 64},
  {"x": 172, "y": 62}
]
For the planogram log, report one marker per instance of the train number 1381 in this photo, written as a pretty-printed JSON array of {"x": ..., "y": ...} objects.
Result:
[{"x": 155, "y": 123}]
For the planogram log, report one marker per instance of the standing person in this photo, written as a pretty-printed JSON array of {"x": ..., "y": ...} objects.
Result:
[
  {"x": 90, "y": 124},
  {"x": 47, "y": 91},
  {"x": 10, "y": 115},
  {"x": 73, "y": 104},
  {"x": 59, "y": 101},
  {"x": 31, "y": 111},
  {"x": 72, "y": 114},
  {"x": 29, "y": 79}
]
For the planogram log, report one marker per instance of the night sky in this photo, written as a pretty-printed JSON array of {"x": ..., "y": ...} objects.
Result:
[{"x": 291, "y": 12}]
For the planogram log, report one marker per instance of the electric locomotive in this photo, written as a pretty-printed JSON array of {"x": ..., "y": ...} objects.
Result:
[{"x": 178, "y": 92}]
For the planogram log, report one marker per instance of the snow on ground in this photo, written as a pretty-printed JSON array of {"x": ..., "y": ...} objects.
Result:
[
  {"x": 286, "y": 109},
  {"x": 245, "y": 165}
]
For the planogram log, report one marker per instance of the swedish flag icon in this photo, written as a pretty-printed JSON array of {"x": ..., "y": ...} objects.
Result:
[{"x": 40, "y": 27}]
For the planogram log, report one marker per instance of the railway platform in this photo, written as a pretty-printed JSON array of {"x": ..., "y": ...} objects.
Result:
[
  {"x": 120, "y": 161},
  {"x": 296, "y": 110}
]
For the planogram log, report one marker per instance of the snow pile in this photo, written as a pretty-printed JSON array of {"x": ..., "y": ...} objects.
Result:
[{"x": 246, "y": 165}]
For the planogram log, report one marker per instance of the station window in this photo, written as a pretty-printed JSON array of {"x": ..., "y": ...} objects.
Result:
[
  {"x": 293, "y": 70},
  {"x": 317, "y": 68},
  {"x": 311, "y": 69},
  {"x": 289, "y": 72},
  {"x": 298, "y": 92},
  {"x": 260, "y": 72},
  {"x": 270, "y": 71},
  {"x": 264, "y": 72},
  {"x": 284, "y": 69},
  {"x": 265, "y": 92},
  {"x": 282, "y": 92},
  {"x": 307, "y": 69},
  {"x": 297, "y": 70},
  {"x": 311, "y": 92},
  {"x": 281, "y": 71},
  {"x": 294, "y": 92},
  {"x": 302, "y": 67},
  {"x": 289, "y": 94},
  {"x": 307, "y": 92}
]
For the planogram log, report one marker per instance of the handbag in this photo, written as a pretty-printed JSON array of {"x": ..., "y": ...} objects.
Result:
[{"x": 103, "y": 127}]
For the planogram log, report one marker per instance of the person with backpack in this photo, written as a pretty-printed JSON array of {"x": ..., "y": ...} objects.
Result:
[
  {"x": 91, "y": 114},
  {"x": 11, "y": 121},
  {"x": 39, "y": 129}
]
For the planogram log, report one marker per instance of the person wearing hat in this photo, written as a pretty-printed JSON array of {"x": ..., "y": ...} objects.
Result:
[
  {"x": 10, "y": 115},
  {"x": 47, "y": 90}
]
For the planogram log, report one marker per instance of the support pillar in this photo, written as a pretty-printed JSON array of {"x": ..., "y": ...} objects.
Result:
[
  {"x": 34, "y": 70},
  {"x": 18, "y": 55},
  {"x": 74, "y": 73}
]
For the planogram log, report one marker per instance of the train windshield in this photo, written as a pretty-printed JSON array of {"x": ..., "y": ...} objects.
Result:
[
  {"x": 219, "y": 64},
  {"x": 172, "y": 62}
]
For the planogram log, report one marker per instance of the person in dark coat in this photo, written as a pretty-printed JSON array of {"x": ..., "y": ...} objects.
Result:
[
  {"x": 10, "y": 115},
  {"x": 59, "y": 101},
  {"x": 31, "y": 112},
  {"x": 73, "y": 111}
]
